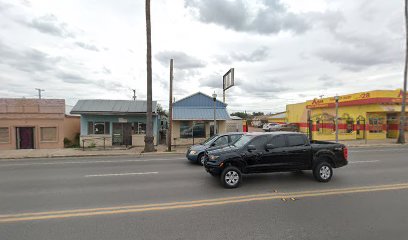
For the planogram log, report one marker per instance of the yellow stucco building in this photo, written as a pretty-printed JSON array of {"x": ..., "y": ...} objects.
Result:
[{"x": 364, "y": 115}]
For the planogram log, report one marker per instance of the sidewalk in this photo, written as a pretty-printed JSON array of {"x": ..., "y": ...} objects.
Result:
[
  {"x": 138, "y": 151},
  {"x": 78, "y": 152}
]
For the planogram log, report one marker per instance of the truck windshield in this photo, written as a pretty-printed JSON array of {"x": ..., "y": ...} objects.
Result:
[{"x": 243, "y": 140}]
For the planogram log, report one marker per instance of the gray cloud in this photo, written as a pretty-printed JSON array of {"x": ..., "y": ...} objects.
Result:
[
  {"x": 357, "y": 52},
  {"x": 49, "y": 24},
  {"x": 328, "y": 81},
  {"x": 213, "y": 81},
  {"x": 259, "y": 88},
  {"x": 27, "y": 60},
  {"x": 71, "y": 77},
  {"x": 87, "y": 46},
  {"x": 273, "y": 17},
  {"x": 258, "y": 54},
  {"x": 181, "y": 60}
]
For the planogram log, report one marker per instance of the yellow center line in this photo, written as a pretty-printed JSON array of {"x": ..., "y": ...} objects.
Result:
[{"x": 193, "y": 204}]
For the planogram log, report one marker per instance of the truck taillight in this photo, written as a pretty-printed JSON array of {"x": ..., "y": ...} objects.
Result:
[{"x": 345, "y": 153}]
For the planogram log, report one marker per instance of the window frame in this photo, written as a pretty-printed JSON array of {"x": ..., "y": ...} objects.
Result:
[
  {"x": 48, "y": 140},
  {"x": 297, "y": 135},
  {"x": 8, "y": 135}
]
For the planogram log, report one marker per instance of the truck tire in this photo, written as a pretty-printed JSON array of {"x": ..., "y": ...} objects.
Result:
[
  {"x": 231, "y": 177},
  {"x": 323, "y": 172}
]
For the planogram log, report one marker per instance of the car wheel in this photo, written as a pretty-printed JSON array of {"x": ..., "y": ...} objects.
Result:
[
  {"x": 201, "y": 159},
  {"x": 323, "y": 172},
  {"x": 231, "y": 177}
]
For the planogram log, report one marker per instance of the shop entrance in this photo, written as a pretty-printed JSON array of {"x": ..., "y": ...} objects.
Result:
[
  {"x": 360, "y": 127},
  {"x": 122, "y": 134},
  {"x": 392, "y": 125},
  {"x": 25, "y": 137}
]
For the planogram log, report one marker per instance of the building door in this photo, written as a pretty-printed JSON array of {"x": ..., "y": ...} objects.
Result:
[
  {"x": 122, "y": 134},
  {"x": 127, "y": 134},
  {"x": 392, "y": 125},
  {"x": 117, "y": 136},
  {"x": 25, "y": 137},
  {"x": 360, "y": 127}
]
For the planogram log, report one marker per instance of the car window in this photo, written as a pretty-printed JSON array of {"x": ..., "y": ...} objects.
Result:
[
  {"x": 234, "y": 137},
  {"x": 223, "y": 140},
  {"x": 278, "y": 141},
  {"x": 259, "y": 142},
  {"x": 296, "y": 140}
]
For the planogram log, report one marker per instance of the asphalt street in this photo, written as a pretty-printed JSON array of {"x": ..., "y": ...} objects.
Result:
[{"x": 167, "y": 197}]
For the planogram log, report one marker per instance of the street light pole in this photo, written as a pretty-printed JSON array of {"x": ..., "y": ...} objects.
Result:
[
  {"x": 215, "y": 120},
  {"x": 337, "y": 117}
]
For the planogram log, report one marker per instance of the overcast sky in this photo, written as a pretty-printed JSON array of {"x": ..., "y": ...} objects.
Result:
[{"x": 283, "y": 51}]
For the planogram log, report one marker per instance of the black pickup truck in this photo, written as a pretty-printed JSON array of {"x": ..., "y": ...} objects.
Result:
[{"x": 274, "y": 152}]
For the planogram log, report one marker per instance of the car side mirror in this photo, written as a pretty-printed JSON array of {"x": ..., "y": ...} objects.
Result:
[
  {"x": 270, "y": 146},
  {"x": 212, "y": 144},
  {"x": 251, "y": 148}
]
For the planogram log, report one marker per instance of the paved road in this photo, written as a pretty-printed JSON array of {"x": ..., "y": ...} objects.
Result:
[{"x": 161, "y": 197}]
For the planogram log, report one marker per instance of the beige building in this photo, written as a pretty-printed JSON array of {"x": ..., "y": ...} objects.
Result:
[{"x": 34, "y": 123}]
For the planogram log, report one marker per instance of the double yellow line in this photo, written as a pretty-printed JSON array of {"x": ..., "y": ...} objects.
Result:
[{"x": 192, "y": 204}]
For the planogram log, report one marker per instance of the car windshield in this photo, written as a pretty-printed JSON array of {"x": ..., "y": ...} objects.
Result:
[
  {"x": 243, "y": 140},
  {"x": 209, "y": 140}
]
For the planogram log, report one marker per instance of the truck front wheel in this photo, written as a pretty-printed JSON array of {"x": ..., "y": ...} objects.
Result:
[
  {"x": 231, "y": 177},
  {"x": 323, "y": 172}
]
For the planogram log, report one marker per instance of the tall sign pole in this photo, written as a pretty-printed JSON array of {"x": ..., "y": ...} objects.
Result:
[
  {"x": 401, "y": 135},
  {"x": 170, "y": 107},
  {"x": 227, "y": 82},
  {"x": 337, "y": 117}
]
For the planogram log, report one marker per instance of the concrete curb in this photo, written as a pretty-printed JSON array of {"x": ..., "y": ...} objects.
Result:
[{"x": 92, "y": 155}]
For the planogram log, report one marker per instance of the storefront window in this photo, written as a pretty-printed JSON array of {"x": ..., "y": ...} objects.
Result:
[
  {"x": 199, "y": 130},
  {"x": 48, "y": 134},
  {"x": 375, "y": 124},
  {"x": 4, "y": 135},
  {"x": 139, "y": 128},
  {"x": 349, "y": 125},
  {"x": 186, "y": 130},
  {"x": 98, "y": 127}
]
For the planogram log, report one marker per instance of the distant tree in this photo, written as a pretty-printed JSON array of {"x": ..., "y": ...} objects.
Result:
[
  {"x": 161, "y": 111},
  {"x": 257, "y": 114},
  {"x": 242, "y": 115}
]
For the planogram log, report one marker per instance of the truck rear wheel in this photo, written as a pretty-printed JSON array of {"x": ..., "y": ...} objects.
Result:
[{"x": 323, "y": 172}]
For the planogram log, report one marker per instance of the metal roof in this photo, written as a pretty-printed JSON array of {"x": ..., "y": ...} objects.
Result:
[
  {"x": 184, "y": 113},
  {"x": 235, "y": 118},
  {"x": 278, "y": 115},
  {"x": 199, "y": 99},
  {"x": 111, "y": 106}
]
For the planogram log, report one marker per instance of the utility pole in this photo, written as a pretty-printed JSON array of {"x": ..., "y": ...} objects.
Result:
[
  {"x": 401, "y": 135},
  {"x": 215, "y": 118},
  {"x": 149, "y": 145},
  {"x": 337, "y": 117},
  {"x": 134, "y": 94},
  {"x": 170, "y": 107},
  {"x": 39, "y": 92}
]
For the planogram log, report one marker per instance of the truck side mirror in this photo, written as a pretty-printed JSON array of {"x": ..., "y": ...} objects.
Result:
[
  {"x": 270, "y": 146},
  {"x": 251, "y": 148}
]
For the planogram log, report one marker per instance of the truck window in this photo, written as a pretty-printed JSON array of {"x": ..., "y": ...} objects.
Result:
[
  {"x": 296, "y": 140},
  {"x": 259, "y": 142},
  {"x": 278, "y": 141}
]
